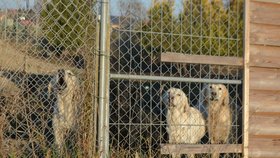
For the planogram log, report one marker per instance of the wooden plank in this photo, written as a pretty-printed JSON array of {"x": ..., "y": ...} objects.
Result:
[
  {"x": 200, "y": 148},
  {"x": 264, "y": 79},
  {"x": 246, "y": 81},
  {"x": 265, "y": 125},
  {"x": 266, "y": 113},
  {"x": 265, "y": 56},
  {"x": 263, "y": 34},
  {"x": 264, "y": 101},
  {"x": 264, "y": 143},
  {"x": 200, "y": 59},
  {"x": 268, "y": 1},
  {"x": 265, "y": 153},
  {"x": 252, "y": 136},
  {"x": 264, "y": 147},
  {"x": 265, "y": 13}
]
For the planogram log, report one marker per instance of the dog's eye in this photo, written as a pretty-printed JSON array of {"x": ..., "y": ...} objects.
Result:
[
  {"x": 179, "y": 95},
  {"x": 210, "y": 87},
  {"x": 69, "y": 73},
  {"x": 220, "y": 88}
]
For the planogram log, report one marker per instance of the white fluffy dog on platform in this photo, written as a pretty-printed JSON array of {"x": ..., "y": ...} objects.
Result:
[
  {"x": 66, "y": 87},
  {"x": 185, "y": 124}
]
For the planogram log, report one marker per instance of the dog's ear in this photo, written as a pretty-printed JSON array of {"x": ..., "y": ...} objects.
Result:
[
  {"x": 186, "y": 106},
  {"x": 50, "y": 89},
  {"x": 205, "y": 94},
  {"x": 185, "y": 103},
  {"x": 225, "y": 97}
]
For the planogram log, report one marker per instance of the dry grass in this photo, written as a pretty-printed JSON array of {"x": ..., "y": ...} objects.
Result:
[
  {"x": 8, "y": 87},
  {"x": 9, "y": 147},
  {"x": 15, "y": 57},
  {"x": 2, "y": 125},
  {"x": 18, "y": 58},
  {"x": 13, "y": 148}
]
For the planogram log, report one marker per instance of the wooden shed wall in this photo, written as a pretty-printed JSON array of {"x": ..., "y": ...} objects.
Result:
[{"x": 264, "y": 98}]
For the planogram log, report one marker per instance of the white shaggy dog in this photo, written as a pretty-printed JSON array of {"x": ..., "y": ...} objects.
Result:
[
  {"x": 219, "y": 114},
  {"x": 66, "y": 87},
  {"x": 185, "y": 124}
]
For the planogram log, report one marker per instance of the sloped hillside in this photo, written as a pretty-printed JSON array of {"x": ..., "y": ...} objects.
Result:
[{"x": 17, "y": 59}]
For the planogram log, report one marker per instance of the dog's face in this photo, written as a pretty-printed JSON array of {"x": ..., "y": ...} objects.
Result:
[
  {"x": 217, "y": 92},
  {"x": 176, "y": 98},
  {"x": 61, "y": 84},
  {"x": 64, "y": 78}
]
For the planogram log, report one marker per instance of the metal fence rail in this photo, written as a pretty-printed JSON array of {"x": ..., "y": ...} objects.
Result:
[{"x": 174, "y": 79}]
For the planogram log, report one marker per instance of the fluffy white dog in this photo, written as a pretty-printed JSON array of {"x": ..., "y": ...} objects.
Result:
[
  {"x": 66, "y": 87},
  {"x": 219, "y": 114},
  {"x": 185, "y": 124}
]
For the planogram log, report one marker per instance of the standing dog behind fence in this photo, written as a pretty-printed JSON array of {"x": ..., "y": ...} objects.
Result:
[
  {"x": 219, "y": 114},
  {"x": 66, "y": 87},
  {"x": 185, "y": 123}
]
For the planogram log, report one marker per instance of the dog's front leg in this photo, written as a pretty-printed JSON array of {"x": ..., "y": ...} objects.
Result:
[{"x": 58, "y": 132}]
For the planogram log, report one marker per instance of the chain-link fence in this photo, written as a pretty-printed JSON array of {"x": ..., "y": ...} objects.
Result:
[
  {"x": 48, "y": 78},
  {"x": 167, "y": 58},
  {"x": 148, "y": 40}
]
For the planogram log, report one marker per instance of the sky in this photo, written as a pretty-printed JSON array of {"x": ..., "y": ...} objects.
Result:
[{"x": 115, "y": 8}]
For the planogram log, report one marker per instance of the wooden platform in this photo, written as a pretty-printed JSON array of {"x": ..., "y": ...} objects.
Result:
[
  {"x": 200, "y": 148},
  {"x": 201, "y": 59}
]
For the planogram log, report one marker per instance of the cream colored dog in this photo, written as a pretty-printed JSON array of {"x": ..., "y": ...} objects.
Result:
[
  {"x": 66, "y": 87},
  {"x": 185, "y": 124},
  {"x": 219, "y": 114}
]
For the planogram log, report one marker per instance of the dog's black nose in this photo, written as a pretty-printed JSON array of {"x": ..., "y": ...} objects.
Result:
[{"x": 213, "y": 93}]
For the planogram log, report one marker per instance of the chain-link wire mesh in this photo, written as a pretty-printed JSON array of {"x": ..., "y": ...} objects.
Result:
[
  {"x": 48, "y": 78},
  {"x": 142, "y": 32},
  {"x": 49, "y": 74}
]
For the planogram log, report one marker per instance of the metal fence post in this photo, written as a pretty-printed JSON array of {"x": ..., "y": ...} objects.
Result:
[{"x": 103, "y": 109}]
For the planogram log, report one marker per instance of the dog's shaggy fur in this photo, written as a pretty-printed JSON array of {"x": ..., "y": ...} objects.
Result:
[
  {"x": 66, "y": 87},
  {"x": 185, "y": 124},
  {"x": 219, "y": 114}
]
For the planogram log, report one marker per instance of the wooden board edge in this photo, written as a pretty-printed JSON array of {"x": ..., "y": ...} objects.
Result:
[
  {"x": 200, "y": 148},
  {"x": 172, "y": 57}
]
